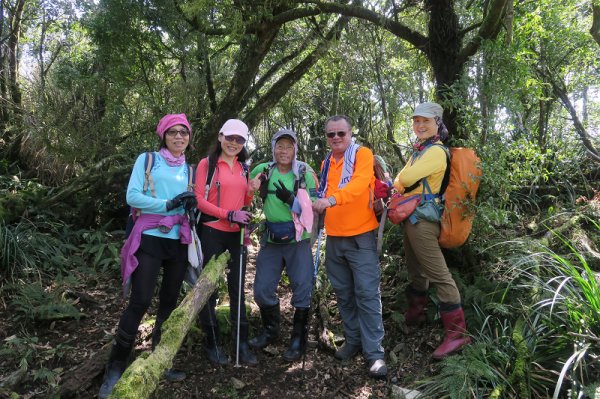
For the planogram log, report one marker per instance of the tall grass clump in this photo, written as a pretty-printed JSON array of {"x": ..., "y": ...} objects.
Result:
[
  {"x": 536, "y": 333},
  {"x": 565, "y": 295}
]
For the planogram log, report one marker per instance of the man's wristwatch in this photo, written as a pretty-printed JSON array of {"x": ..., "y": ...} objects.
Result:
[{"x": 331, "y": 200}]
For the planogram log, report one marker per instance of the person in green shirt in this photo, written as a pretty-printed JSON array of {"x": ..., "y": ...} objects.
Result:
[{"x": 287, "y": 187}]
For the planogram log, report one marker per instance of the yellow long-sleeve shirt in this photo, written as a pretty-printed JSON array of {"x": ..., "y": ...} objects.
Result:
[
  {"x": 431, "y": 164},
  {"x": 353, "y": 213}
]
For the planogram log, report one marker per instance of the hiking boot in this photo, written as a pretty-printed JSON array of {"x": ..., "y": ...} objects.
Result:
[
  {"x": 377, "y": 368},
  {"x": 117, "y": 362},
  {"x": 214, "y": 351},
  {"x": 347, "y": 351},
  {"x": 455, "y": 333},
  {"x": 216, "y": 355},
  {"x": 245, "y": 355},
  {"x": 114, "y": 371},
  {"x": 271, "y": 318},
  {"x": 417, "y": 301},
  {"x": 173, "y": 375},
  {"x": 299, "y": 337}
]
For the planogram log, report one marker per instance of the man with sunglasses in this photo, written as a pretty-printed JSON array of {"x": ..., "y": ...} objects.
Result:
[{"x": 351, "y": 260}]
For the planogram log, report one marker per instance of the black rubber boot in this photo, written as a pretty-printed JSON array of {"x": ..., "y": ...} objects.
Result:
[
  {"x": 213, "y": 348},
  {"x": 271, "y": 318},
  {"x": 171, "y": 374},
  {"x": 117, "y": 362},
  {"x": 246, "y": 355},
  {"x": 299, "y": 335}
]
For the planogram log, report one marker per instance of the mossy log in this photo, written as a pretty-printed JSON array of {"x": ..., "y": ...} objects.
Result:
[{"x": 142, "y": 376}]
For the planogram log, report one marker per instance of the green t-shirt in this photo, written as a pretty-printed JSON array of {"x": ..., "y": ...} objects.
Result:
[{"x": 276, "y": 210}]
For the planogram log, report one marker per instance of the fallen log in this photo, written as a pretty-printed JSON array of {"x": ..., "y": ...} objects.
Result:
[{"x": 142, "y": 376}]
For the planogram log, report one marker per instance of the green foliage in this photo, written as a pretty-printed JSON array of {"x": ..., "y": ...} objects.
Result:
[
  {"x": 18, "y": 196},
  {"x": 469, "y": 374},
  {"x": 34, "y": 302},
  {"x": 101, "y": 249},
  {"x": 32, "y": 248},
  {"x": 570, "y": 307},
  {"x": 37, "y": 358}
]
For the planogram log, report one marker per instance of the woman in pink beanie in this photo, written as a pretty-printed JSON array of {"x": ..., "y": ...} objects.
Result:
[{"x": 158, "y": 240}]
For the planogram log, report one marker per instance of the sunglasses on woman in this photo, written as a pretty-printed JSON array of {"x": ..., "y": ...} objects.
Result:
[
  {"x": 331, "y": 135},
  {"x": 237, "y": 139},
  {"x": 174, "y": 133}
]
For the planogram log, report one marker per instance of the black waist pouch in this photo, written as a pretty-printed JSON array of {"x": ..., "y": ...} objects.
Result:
[{"x": 281, "y": 232}]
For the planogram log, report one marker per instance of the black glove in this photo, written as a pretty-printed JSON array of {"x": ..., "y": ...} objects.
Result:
[
  {"x": 190, "y": 203},
  {"x": 181, "y": 199},
  {"x": 283, "y": 193},
  {"x": 264, "y": 183}
]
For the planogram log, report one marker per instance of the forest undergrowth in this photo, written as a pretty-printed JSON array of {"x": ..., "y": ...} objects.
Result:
[{"x": 531, "y": 304}]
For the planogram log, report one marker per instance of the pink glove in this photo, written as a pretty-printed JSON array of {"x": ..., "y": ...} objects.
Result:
[
  {"x": 240, "y": 217},
  {"x": 382, "y": 190}
]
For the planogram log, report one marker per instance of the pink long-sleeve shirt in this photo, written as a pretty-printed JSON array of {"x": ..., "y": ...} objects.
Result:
[{"x": 234, "y": 193}]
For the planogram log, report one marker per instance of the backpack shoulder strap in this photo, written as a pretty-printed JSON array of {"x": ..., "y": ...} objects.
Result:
[
  {"x": 210, "y": 174},
  {"x": 148, "y": 181},
  {"x": 300, "y": 182},
  {"x": 324, "y": 172},
  {"x": 191, "y": 177},
  {"x": 270, "y": 168},
  {"x": 446, "y": 178}
]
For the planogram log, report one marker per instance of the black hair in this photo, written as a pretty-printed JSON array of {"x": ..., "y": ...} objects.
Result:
[
  {"x": 216, "y": 150},
  {"x": 336, "y": 118}
]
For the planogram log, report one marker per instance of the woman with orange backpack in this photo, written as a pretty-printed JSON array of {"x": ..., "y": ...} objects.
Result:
[{"x": 423, "y": 176}]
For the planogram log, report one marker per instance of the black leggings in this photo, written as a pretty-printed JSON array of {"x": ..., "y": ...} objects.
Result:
[
  {"x": 153, "y": 254},
  {"x": 215, "y": 242}
]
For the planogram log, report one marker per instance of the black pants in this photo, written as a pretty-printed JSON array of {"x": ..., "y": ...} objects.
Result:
[
  {"x": 215, "y": 242},
  {"x": 154, "y": 253}
]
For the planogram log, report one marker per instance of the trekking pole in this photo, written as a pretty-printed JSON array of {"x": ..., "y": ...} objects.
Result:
[
  {"x": 320, "y": 225},
  {"x": 239, "y": 306}
]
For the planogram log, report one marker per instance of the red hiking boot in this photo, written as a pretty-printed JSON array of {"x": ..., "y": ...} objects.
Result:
[
  {"x": 417, "y": 300},
  {"x": 455, "y": 331}
]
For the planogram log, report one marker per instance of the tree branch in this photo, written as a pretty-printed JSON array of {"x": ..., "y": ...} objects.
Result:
[
  {"x": 281, "y": 87},
  {"x": 560, "y": 91},
  {"x": 402, "y": 31},
  {"x": 489, "y": 29}
]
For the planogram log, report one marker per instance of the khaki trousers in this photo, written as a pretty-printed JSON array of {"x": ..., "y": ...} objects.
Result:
[{"x": 426, "y": 264}]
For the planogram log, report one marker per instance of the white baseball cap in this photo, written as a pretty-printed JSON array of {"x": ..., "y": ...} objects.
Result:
[{"x": 235, "y": 127}]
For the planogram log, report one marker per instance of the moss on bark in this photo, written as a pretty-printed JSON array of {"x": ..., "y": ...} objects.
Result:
[{"x": 142, "y": 376}]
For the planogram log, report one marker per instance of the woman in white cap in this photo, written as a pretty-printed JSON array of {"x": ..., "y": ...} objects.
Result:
[
  {"x": 425, "y": 174},
  {"x": 157, "y": 241},
  {"x": 221, "y": 202}
]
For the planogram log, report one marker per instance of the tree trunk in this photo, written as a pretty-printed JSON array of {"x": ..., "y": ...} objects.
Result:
[
  {"x": 384, "y": 109},
  {"x": 253, "y": 50},
  {"x": 3, "y": 75},
  {"x": 13, "y": 57},
  {"x": 142, "y": 376},
  {"x": 595, "y": 29}
]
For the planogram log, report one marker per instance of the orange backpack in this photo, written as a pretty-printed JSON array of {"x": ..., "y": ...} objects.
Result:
[{"x": 457, "y": 219}]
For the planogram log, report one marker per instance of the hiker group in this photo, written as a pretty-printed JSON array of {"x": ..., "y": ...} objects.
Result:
[{"x": 173, "y": 211}]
